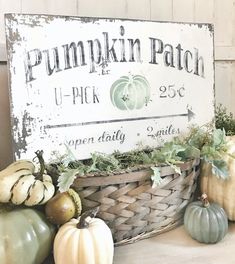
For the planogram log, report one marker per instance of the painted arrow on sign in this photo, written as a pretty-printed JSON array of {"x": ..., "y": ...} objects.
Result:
[{"x": 190, "y": 114}]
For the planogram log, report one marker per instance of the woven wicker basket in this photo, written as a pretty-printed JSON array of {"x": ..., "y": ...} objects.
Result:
[{"x": 131, "y": 207}]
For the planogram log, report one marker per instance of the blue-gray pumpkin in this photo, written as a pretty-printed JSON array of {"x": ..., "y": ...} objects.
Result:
[{"x": 205, "y": 222}]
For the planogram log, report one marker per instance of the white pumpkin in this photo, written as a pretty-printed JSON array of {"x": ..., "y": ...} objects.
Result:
[
  {"x": 20, "y": 184},
  {"x": 218, "y": 190},
  {"x": 84, "y": 240}
]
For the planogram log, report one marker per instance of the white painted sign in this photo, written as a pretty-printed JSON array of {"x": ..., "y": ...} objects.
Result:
[{"x": 105, "y": 84}]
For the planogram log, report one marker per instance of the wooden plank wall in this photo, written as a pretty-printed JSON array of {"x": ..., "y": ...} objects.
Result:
[{"x": 220, "y": 13}]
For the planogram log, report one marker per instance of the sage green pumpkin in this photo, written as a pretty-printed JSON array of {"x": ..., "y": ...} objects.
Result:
[
  {"x": 130, "y": 92},
  {"x": 25, "y": 236},
  {"x": 205, "y": 222}
]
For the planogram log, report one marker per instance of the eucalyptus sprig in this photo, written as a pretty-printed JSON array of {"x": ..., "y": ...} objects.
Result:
[{"x": 213, "y": 147}]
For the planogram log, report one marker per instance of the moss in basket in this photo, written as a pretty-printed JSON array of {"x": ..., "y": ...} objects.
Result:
[{"x": 204, "y": 142}]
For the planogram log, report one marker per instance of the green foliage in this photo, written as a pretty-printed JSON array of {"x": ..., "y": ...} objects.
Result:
[
  {"x": 224, "y": 120},
  {"x": 66, "y": 179},
  {"x": 213, "y": 147},
  {"x": 220, "y": 169},
  {"x": 216, "y": 148},
  {"x": 204, "y": 142}
]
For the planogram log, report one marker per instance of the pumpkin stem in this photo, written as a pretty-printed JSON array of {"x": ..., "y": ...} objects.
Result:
[
  {"x": 204, "y": 200},
  {"x": 77, "y": 201},
  {"x": 85, "y": 218},
  {"x": 39, "y": 155}
]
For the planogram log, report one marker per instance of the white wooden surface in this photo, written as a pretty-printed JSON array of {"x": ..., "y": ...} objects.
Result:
[
  {"x": 175, "y": 247},
  {"x": 220, "y": 13}
]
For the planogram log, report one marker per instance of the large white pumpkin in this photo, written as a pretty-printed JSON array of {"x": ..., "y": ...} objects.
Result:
[
  {"x": 218, "y": 190},
  {"x": 76, "y": 243}
]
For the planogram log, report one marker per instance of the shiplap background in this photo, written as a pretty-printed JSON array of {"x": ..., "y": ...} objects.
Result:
[{"x": 221, "y": 13}]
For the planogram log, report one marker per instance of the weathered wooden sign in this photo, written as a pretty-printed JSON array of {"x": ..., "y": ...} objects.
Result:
[{"x": 102, "y": 85}]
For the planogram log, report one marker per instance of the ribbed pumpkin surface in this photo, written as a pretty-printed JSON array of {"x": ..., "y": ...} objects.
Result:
[
  {"x": 206, "y": 224},
  {"x": 25, "y": 237},
  {"x": 91, "y": 245}
]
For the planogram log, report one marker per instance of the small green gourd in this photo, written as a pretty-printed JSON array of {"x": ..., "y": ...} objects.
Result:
[{"x": 205, "y": 222}]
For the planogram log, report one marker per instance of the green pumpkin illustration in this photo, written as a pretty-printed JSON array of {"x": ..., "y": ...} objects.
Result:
[{"x": 130, "y": 92}]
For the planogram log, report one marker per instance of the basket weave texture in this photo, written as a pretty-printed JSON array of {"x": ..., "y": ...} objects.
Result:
[{"x": 131, "y": 207}]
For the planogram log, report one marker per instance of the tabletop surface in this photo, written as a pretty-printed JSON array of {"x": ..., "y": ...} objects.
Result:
[{"x": 174, "y": 247}]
